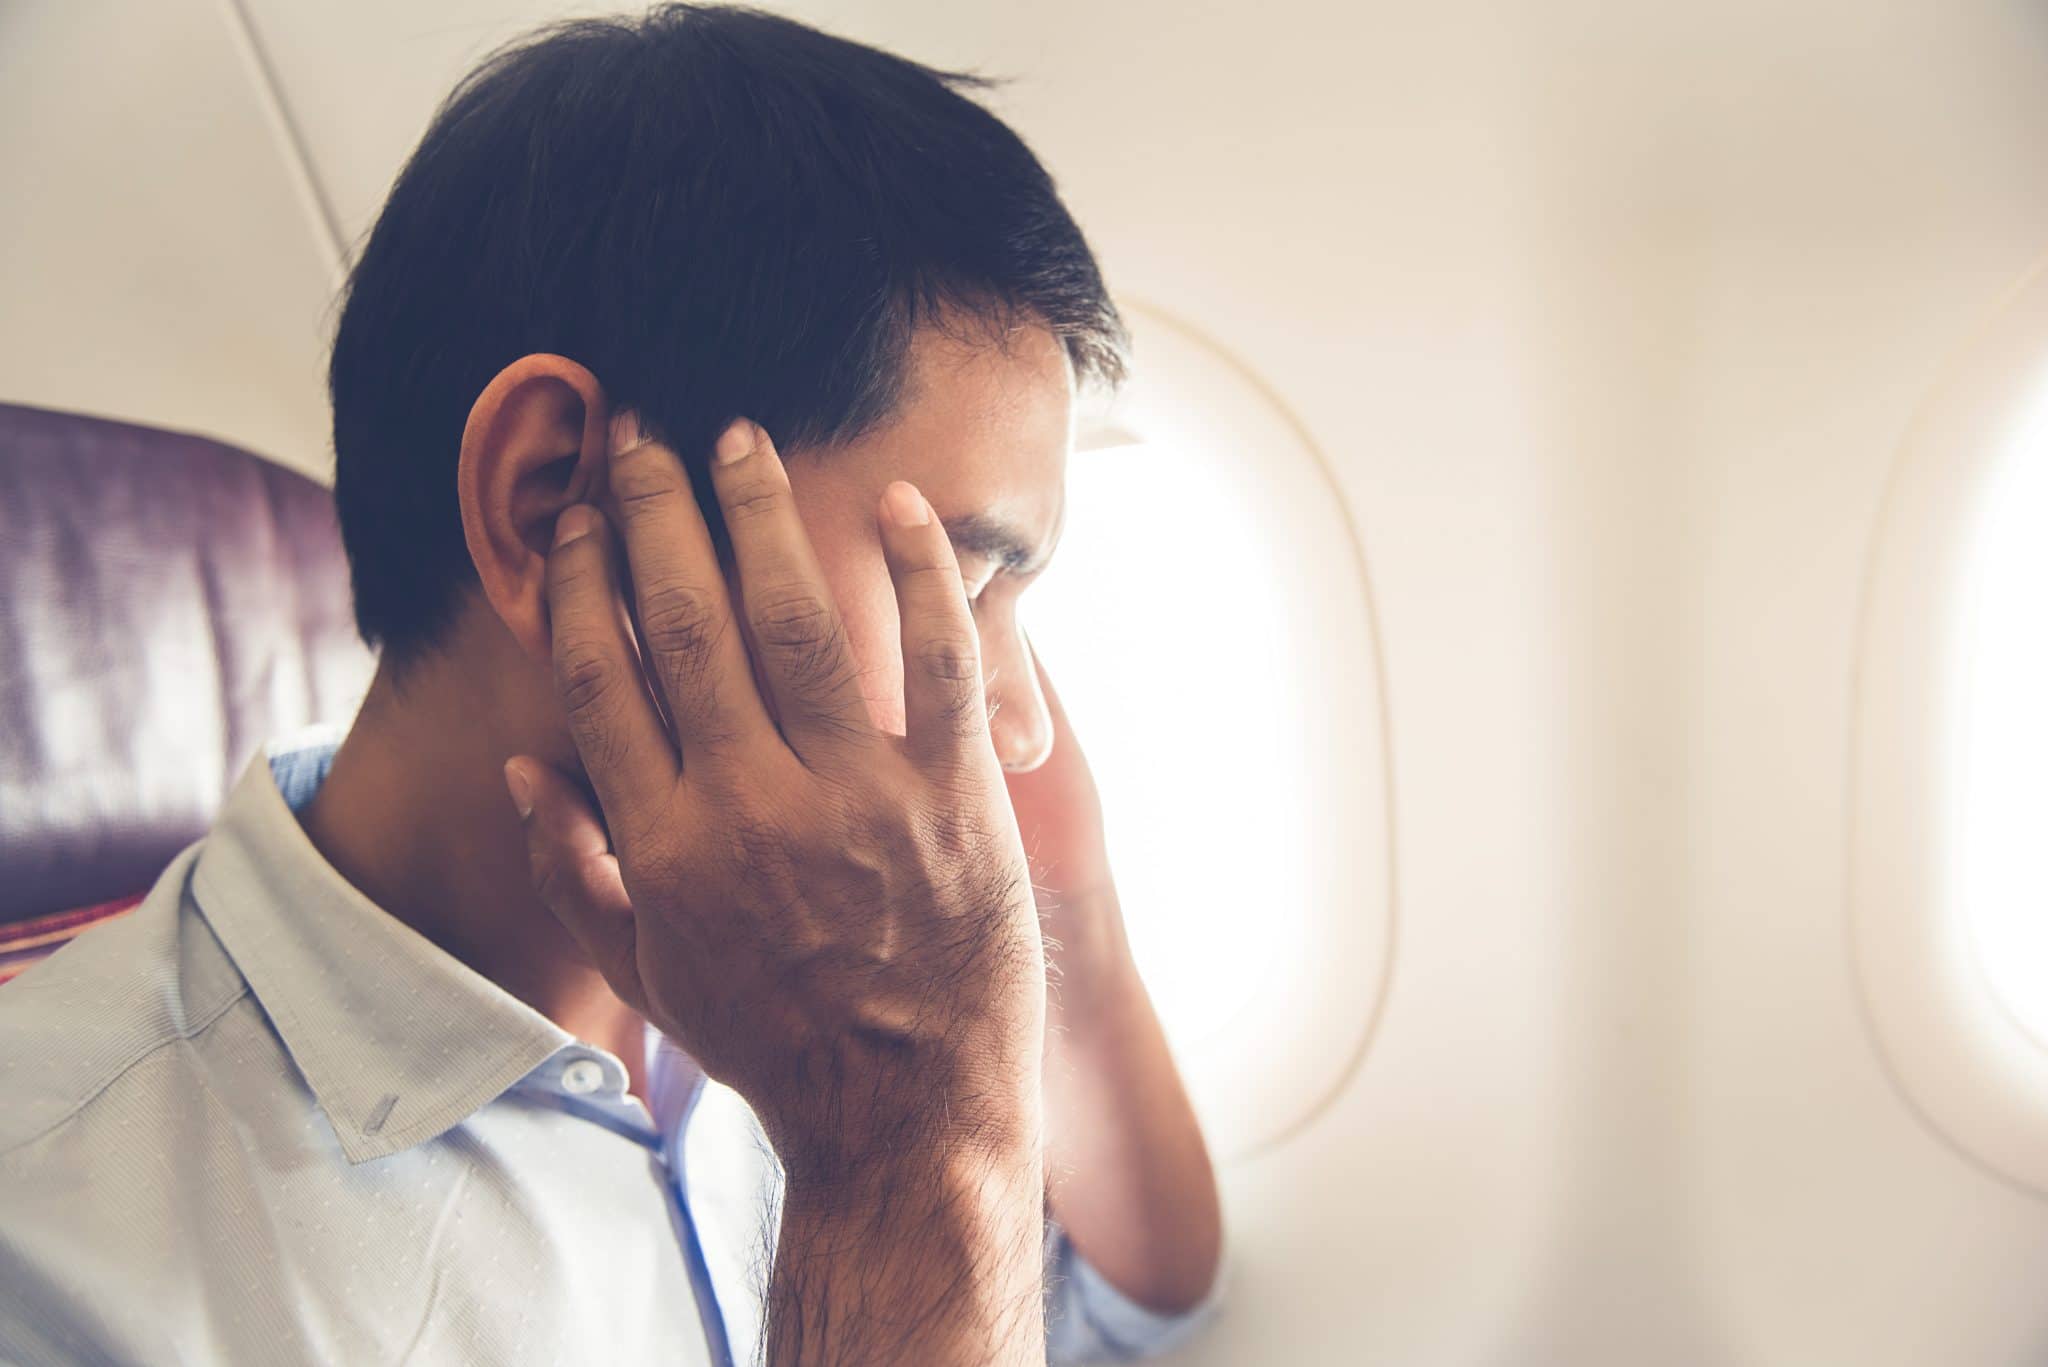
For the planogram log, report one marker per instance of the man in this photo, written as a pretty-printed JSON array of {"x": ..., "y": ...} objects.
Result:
[{"x": 702, "y": 399}]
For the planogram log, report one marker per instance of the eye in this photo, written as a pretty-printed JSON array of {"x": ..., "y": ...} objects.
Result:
[
  {"x": 997, "y": 585},
  {"x": 976, "y": 575}
]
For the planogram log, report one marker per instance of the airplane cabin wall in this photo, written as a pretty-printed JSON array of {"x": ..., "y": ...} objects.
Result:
[{"x": 1608, "y": 322}]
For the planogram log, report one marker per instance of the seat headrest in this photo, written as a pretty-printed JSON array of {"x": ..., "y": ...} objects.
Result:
[{"x": 169, "y": 604}]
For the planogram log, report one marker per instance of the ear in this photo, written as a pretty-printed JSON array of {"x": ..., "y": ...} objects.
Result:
[{"x": 534, "y": 445}]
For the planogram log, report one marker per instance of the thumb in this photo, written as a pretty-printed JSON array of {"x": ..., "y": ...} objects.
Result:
[{"x": 575, "y": 873}]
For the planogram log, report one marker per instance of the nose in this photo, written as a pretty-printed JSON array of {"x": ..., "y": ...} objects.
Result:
[{"x": 1021, "y": 727}]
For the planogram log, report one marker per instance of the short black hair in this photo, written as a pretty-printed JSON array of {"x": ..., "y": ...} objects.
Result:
[{"x": 718, "y": 211}]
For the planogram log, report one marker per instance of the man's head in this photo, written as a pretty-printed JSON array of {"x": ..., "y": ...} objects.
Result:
[{"x": 702, "y": 214}]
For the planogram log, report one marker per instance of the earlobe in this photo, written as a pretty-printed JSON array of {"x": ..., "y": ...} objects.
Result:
[{"x": 534, "y": 445}]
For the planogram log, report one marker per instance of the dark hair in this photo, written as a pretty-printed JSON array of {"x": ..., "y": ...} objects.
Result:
[{"x": 718, "y": 211}]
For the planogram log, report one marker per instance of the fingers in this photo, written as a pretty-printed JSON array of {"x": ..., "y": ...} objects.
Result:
[
  {"x": 943, "y": 700},
  {"x": 617, "y": 730},
  {"x": 575, "y": 873},
  {"x": 798, "y": 636},
  {"x": 685, "y": 621}
]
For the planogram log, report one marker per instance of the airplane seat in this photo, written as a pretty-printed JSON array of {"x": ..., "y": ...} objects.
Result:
[{"x": 171, "y": 602}]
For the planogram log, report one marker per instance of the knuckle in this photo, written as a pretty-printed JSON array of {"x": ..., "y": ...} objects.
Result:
[
  {"x": 589, "y": 687},
  {"x": 794, "y": 619},
  {"x": 804, "y": 635},
  {"x": 950, "y": 659},
  {"x": 959, "y": 702},
  {"x": 679, "y": 619},
  {"x": 571, "y": 570},
  {"x": 751, "y": 500},
  {"x": 645, "y": 509},
  {"x": 584, "y": 676},
  {"x": 938, "y": 577},
  {"x": 644, "y": 479}
]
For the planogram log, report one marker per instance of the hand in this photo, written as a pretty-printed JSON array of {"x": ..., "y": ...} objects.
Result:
[{"x": 835, "y": 922}]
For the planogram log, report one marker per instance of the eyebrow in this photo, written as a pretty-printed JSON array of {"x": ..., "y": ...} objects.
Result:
[{"x": 994, "y": 539}]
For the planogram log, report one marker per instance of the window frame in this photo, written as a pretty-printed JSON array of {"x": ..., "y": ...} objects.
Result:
[
  {"x": 1191, "y": 394},
  {"x": 1959, "y": 1058}
]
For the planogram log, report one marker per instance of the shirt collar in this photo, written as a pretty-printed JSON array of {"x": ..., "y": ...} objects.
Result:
[{"x": 398, "y": 1040}]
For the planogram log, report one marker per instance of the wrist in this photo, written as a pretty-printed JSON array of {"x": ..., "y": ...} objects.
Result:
[
  {"x": 965, "y": 1188},
  {"x": 931, "y": 1254},
  {"x": 876, "y": 1115}
]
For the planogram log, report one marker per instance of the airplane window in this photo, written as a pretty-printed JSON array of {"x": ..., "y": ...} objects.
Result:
[
  {"x": 2001, "y": 746},
  {"x": 1207, "y": 624},
  {"x": 1948, "y": 835},
  {"x": 1200, "y": 828}
]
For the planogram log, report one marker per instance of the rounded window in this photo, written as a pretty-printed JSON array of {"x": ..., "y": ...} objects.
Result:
[
  {"x": 1949, "y": 838},
  {"x": 1209, "y": 628}
]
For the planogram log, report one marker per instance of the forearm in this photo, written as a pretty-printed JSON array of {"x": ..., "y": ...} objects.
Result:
[
  {"x": 1131, "y": 1181},
  {"x": 925, "y": 1257}
]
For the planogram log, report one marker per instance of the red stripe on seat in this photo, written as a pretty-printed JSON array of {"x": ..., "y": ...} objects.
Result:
[{"x": 29, "y": 942}]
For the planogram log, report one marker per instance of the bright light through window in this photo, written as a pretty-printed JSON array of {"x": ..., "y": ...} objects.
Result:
[
  {"x": 1208, "y": 624},
  {"x": 1948, "y": 867},
  {"x": 1161, "y": 622},
  {"x": 2002, "y": 830}
]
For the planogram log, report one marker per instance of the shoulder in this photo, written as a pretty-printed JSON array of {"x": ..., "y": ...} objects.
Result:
[{"x": 76, "y": 1027}]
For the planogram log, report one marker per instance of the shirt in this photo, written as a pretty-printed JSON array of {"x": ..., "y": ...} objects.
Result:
[{"x": 261, "y": 1120}]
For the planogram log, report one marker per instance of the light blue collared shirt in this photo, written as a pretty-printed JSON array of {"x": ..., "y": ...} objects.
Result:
[{"x": 259, "y": 1120}]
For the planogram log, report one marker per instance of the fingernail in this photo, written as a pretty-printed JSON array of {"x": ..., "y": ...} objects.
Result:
[
  {"x": 906, "y": 505},
  {"x": 627, "y": 432},
  {"x": 521, "y": 788},
  {"x": 576, "y": 520},
  {"x": 737, "y": 441}
]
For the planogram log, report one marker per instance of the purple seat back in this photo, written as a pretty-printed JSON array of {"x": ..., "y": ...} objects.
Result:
[{"x": 167, "y": 603}]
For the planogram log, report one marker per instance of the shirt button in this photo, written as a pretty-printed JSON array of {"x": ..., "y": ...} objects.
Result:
[{"x": 583, "y": 1076}]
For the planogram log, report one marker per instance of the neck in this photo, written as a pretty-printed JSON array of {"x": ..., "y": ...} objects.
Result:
[{"x": 414, "y": 814}]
